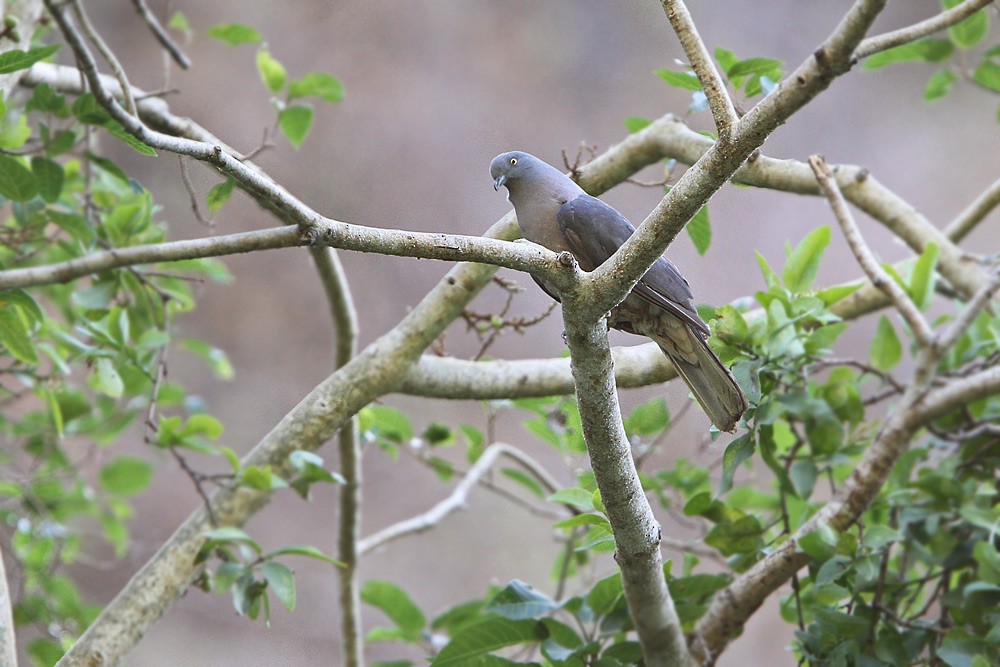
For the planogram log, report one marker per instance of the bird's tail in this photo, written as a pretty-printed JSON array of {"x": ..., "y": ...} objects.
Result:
[{"x": 711, "y": 382}]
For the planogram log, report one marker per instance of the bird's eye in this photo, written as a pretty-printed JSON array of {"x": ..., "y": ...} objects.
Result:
[{"x": 513, "y": 161}]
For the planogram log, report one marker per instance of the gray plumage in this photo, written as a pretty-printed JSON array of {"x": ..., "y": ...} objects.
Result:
[{"x": 555, "y": 212}]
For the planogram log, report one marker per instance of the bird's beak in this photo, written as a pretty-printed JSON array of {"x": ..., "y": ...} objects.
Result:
[{"x": 501, "y": 179}]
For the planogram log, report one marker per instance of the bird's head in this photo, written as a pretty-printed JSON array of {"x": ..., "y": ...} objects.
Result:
[{"x": 507, "y": 168}]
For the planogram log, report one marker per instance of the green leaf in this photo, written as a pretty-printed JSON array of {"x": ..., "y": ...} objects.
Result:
[
  {"x": 317, "y": 84},
  {"x": 520, "y": 601},
  {"x": 928, "y": 50},
  {"x": 15, "y": 60},
  {"x": 972, "y": 30},
  {"x": 295, "y": 122},
  {"x": 49, "y": 177},
  {"x": 180, "y": 23},
  {"x": 988, "y": 74},
  {"x": 45, "y": 652},
  {"x": 203, "y": 425},
  {"x": 231, "y": 534},
  {"x": 738, "y": 451},
  {"x": 105, "y": 378},
  {"x": 281, "y": 580},
  {"x": 770, "y": 277},
  {"x": 234, "y": 34},
  {"x": 725, "y": 58},
  {"x": 272, "y": 72},
  {"x": 700, "y": 230},
  {"x": 753, "y": 66},
  {"x": 922, "y": 280},
  {"x": 89, "y": 111},
  {"x": 384, "y": 422},
  {"x": 126, "y": 475},
  {"x": 649, "y": 418},
  {"x": 394, "y": 602},
  {"x": 15, "y": 336},
  {"x": 213, "y": 356},
  {"x": 17, "y": 183},
  {"x": 737, "y": 537},
  {"x": 939, "y": 84},
  {"x": 803, "y": 264},
  {"x": 139, "y": 146},
  {"x": 636, "y": 124},
  {"x": 219, "y": 195},
  {"x": 683, "y": 80},
  {"x": 886, "y": 349},
  {"x": 304, "y": 550},
  {"x": 575, "y": 497},
  {"x": 605, "y": 593},
  {"x": 475, "y": 641},
  {"x": 46, "y": 100},
  {"x": 14, "y": 132}
]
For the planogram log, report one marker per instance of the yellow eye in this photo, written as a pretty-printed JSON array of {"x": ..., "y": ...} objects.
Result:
[{"x": 513, "y": 161}]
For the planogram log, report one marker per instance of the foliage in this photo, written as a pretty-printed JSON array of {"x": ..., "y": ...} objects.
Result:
[{"x": 83, "y": 364}]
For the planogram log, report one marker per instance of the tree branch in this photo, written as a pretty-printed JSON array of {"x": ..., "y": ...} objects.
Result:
[
  {"x": 866, "y": 259},
  {"x": 945, "y": 19},
  {"x": 610, "y": 282},
  {"x": 456, "y": 500},
  {"x": 345, "y": 323},
  {"x": 701, "y": 62},
  {"x": 8, "y": 642},
  {"x": 168, "y": 44},
  {"x": 635, "y": 529},
  {"x": 974, "y": 213}
]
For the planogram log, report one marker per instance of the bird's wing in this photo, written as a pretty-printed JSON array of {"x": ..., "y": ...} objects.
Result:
[{"x": 594, "y": 231}]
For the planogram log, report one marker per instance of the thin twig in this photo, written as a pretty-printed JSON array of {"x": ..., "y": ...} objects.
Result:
[
  {"x": 945, "y": 19},
  {"x": 866, "y": 259},
  {"x": 455, "y": 500},
  {"x": 168, "y": 44},
  {"x": 961, "y": 324},
  {"x": 192, "y": 193},
  {"x": 981, "y": 207},
  {"x": 109, "y": 56},
  {"x": 701, "y": 62}
]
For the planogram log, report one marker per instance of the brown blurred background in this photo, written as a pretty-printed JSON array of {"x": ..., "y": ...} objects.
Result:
[{"x": 436, "y": 88}]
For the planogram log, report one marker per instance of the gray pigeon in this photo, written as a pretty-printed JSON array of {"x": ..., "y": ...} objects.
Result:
[{"x": 555, "y": 212}]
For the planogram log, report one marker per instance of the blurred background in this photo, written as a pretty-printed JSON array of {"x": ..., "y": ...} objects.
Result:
[{"x": 435, "y": 89}]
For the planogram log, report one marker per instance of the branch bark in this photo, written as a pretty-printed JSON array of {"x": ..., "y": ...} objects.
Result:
[
  {"x": 945, "y": 19},
  {"x": 8, "y": 642}
]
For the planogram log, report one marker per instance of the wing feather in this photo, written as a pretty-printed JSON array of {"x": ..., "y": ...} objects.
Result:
[{"x": 594, "y": 231}]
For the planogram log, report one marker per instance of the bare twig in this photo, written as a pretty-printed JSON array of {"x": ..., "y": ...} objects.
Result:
[
  {"x": 168, "y": 44},
  {"x": 902, "y": 301},
  {"x": 701, "y": 62},
  {"x": 109, "y": 56},
  {"x": 945, "y": 19},
  {"x": 981, "y": 207},
  {"x": 456, "y": 499},
  {"x": 192, "y": 193},
  {"x": 960, "y": 325},
  {"x": 345, "y": 322}
]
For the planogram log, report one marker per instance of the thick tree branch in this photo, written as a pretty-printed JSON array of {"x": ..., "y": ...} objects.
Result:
[
  {"x": 866, "y": 259},
  {"x": 945, "y": 19},
  {"x": 456, "y": 500},
  {"x": 701, "y": 62},
  {"x": 636, "y": 532}
]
